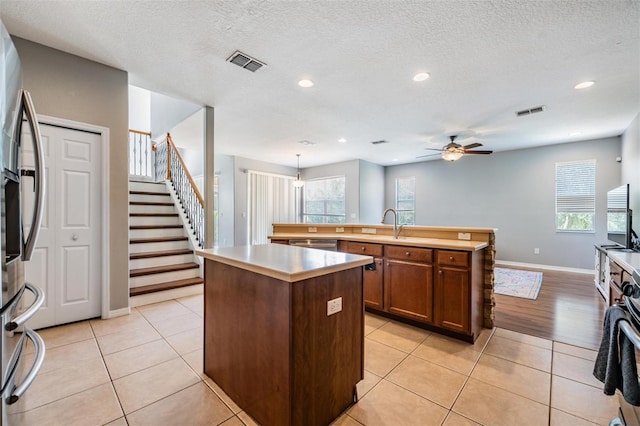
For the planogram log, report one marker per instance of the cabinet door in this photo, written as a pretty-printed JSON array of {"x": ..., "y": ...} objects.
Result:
[
  {"x": 452, "y": 304},
  {"x": 373, "y": 285},
  {"x": 409, "y": 289}
]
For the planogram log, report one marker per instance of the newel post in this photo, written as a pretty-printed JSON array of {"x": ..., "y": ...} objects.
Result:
[{"x": 169, "y": 156}]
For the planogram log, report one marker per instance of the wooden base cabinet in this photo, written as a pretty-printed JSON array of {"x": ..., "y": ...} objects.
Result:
[
  {"x": 409, "y": 289},
  {"x": 373, "y": 281},
  {"x": 438, "y": 288},
  {"x": 452, "y": 303},
  {"x": 459, "y": 299}
]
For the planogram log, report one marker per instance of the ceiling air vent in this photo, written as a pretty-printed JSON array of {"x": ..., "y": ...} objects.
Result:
[
  {"x": 530, "y": 111},
  {"x": 379, "y": 142},
  {"x": 245, "y": 61}
]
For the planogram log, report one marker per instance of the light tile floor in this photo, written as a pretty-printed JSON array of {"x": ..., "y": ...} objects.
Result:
[{"x": 146, "y": 369}]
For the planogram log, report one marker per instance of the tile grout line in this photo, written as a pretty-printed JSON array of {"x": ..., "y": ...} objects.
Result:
[{"x": 113, "y": 388}]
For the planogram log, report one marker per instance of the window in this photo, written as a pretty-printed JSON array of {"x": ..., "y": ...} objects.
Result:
[
  {"x": 323, "y": 200},
  {"x": 406, "y": 200},
  {"x": 575, "y": 196}
]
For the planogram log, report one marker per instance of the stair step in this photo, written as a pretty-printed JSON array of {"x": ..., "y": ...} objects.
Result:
[
  {"x": 153, "y": 214},
  {"x": 155, "y": 226},
  {"x": 157, "y": 240},
  {"x": 161, "y": 269},
  {"x": 164, "y": 286},
  {"x": 148, "y": 203},
  {"x": 162, "y": 253},
  {"x": 163, "y": 194}
]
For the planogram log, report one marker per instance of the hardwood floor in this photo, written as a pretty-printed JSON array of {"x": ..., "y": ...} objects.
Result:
[{"x": 568, "y": 309}]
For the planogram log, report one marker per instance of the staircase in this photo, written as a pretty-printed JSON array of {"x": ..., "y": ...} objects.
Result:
[{"x": 162, "y": 264}]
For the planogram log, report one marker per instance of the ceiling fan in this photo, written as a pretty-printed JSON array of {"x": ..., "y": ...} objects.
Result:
[{"x": 454, "y": 151}]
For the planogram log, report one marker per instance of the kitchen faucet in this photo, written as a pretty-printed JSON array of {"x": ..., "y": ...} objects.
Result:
[{"x": 396, "y": 229}]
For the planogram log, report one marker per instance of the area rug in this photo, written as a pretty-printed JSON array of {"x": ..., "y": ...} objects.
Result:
[{"x": 517, "y": 283}]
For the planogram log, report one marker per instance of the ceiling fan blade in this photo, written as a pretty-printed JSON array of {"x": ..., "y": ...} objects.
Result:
[
  {"x": 434, "y": 149},
  {"x": 428, "y": 155},
  {"x": 478, "y": 152},
  {"x": 472, "y": 145}
]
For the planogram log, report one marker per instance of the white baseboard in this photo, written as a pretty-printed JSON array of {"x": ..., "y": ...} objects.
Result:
[
  {"x": 118, "y": 313},
  {"x": 162, "y": 296},
  {"x": 546, "y": 267}
]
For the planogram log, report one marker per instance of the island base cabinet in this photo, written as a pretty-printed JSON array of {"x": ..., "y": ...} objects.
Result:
[
  {"x": 452, "y": 299},
  {"x": 273, "y": 348},
  {"x": 409, "y": 290}
]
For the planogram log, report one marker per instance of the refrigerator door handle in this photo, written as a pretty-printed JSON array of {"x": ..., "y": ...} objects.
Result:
[
  {"x": 39, "y": 181},
  {"x": 38, "y": 359},
  {"x": 24, "y": 317}
]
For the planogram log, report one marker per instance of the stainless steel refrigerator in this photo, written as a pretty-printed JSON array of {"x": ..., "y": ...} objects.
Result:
[{"x": 18, "y": 240}]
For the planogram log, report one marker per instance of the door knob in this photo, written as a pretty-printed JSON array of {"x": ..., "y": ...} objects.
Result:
[{"x": 75, "y": 237}]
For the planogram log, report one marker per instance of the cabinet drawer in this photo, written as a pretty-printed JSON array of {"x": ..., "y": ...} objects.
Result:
[
  {"x": 409, "y": 253},
  {"x": 364, "y": 248},
  {"x": 616, "y": 274},
  {"x": 456, "y": 258}
]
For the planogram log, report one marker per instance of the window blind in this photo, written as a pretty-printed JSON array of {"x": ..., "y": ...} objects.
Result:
[
  {"x": 576, "y": 187},
  {"x": 271, "y": 200}
]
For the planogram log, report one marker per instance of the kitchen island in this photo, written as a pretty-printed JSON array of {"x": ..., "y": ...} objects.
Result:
[{"x": 284, "y": 330}]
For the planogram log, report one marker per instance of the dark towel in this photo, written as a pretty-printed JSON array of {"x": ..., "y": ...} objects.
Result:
[{"x": 616, "y": 362}]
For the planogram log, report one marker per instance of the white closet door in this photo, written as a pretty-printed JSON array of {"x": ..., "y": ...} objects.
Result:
[{"x": 69, "y": 261}]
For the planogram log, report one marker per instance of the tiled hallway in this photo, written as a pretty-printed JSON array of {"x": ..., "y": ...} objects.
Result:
[{"x": 146, "y": 368}]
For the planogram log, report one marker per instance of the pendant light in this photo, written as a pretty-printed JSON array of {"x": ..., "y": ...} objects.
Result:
[{"x": 298, "y": 183}]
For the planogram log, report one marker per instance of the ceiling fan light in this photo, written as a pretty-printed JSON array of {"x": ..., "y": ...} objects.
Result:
[{"x": 451, "y": 155}]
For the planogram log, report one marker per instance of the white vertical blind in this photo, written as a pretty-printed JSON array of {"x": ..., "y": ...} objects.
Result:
[{"x": 271, "y": 200}]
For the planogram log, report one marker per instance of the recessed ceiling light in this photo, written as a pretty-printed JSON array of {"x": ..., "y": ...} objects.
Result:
[
  {"x": 575, "y": 133},
  {"x": 395, "y": 159},
  {"x": 584, "y": 85},
  {"x": 305, "y": 83},
  {"x": 342, "y": 140},
  {"x": 421, "y": 76}
]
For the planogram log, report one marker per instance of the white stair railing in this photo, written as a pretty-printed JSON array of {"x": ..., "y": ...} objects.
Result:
[{"x": 141, "y": 162}]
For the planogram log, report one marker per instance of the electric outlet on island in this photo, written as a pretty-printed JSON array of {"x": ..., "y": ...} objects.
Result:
[
  {"x": 334, "y": 306},
  {"x": 536, "y": 250}
]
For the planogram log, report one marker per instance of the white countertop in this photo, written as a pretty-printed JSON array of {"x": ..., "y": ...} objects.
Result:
[
  {"x": 287, "y": 263},
  {"x": 438, "y": 243},
  {"x": 627, "y": 260}
]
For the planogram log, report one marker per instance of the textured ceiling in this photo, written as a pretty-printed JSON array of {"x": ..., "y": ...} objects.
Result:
[{"x": 487, "y": 59}]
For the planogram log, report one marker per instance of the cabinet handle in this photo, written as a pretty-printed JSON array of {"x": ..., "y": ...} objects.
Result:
[
  {"x": 407, "y": 254},
  {"x": 440, "y": 271},
  {"x": 451, "y": 258},
  {"x": 363, "y": 248}
]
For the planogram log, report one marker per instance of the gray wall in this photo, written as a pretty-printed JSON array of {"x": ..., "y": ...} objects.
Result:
[
  {"x": 226, "y": 208},
  {"x": 513, "y": 191},
  {"x": 371, "y": 192},
  {"x": 70, "y": 87},
  {"x": 631, "y": 168},
  {"x": 240, "y": 166}
]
